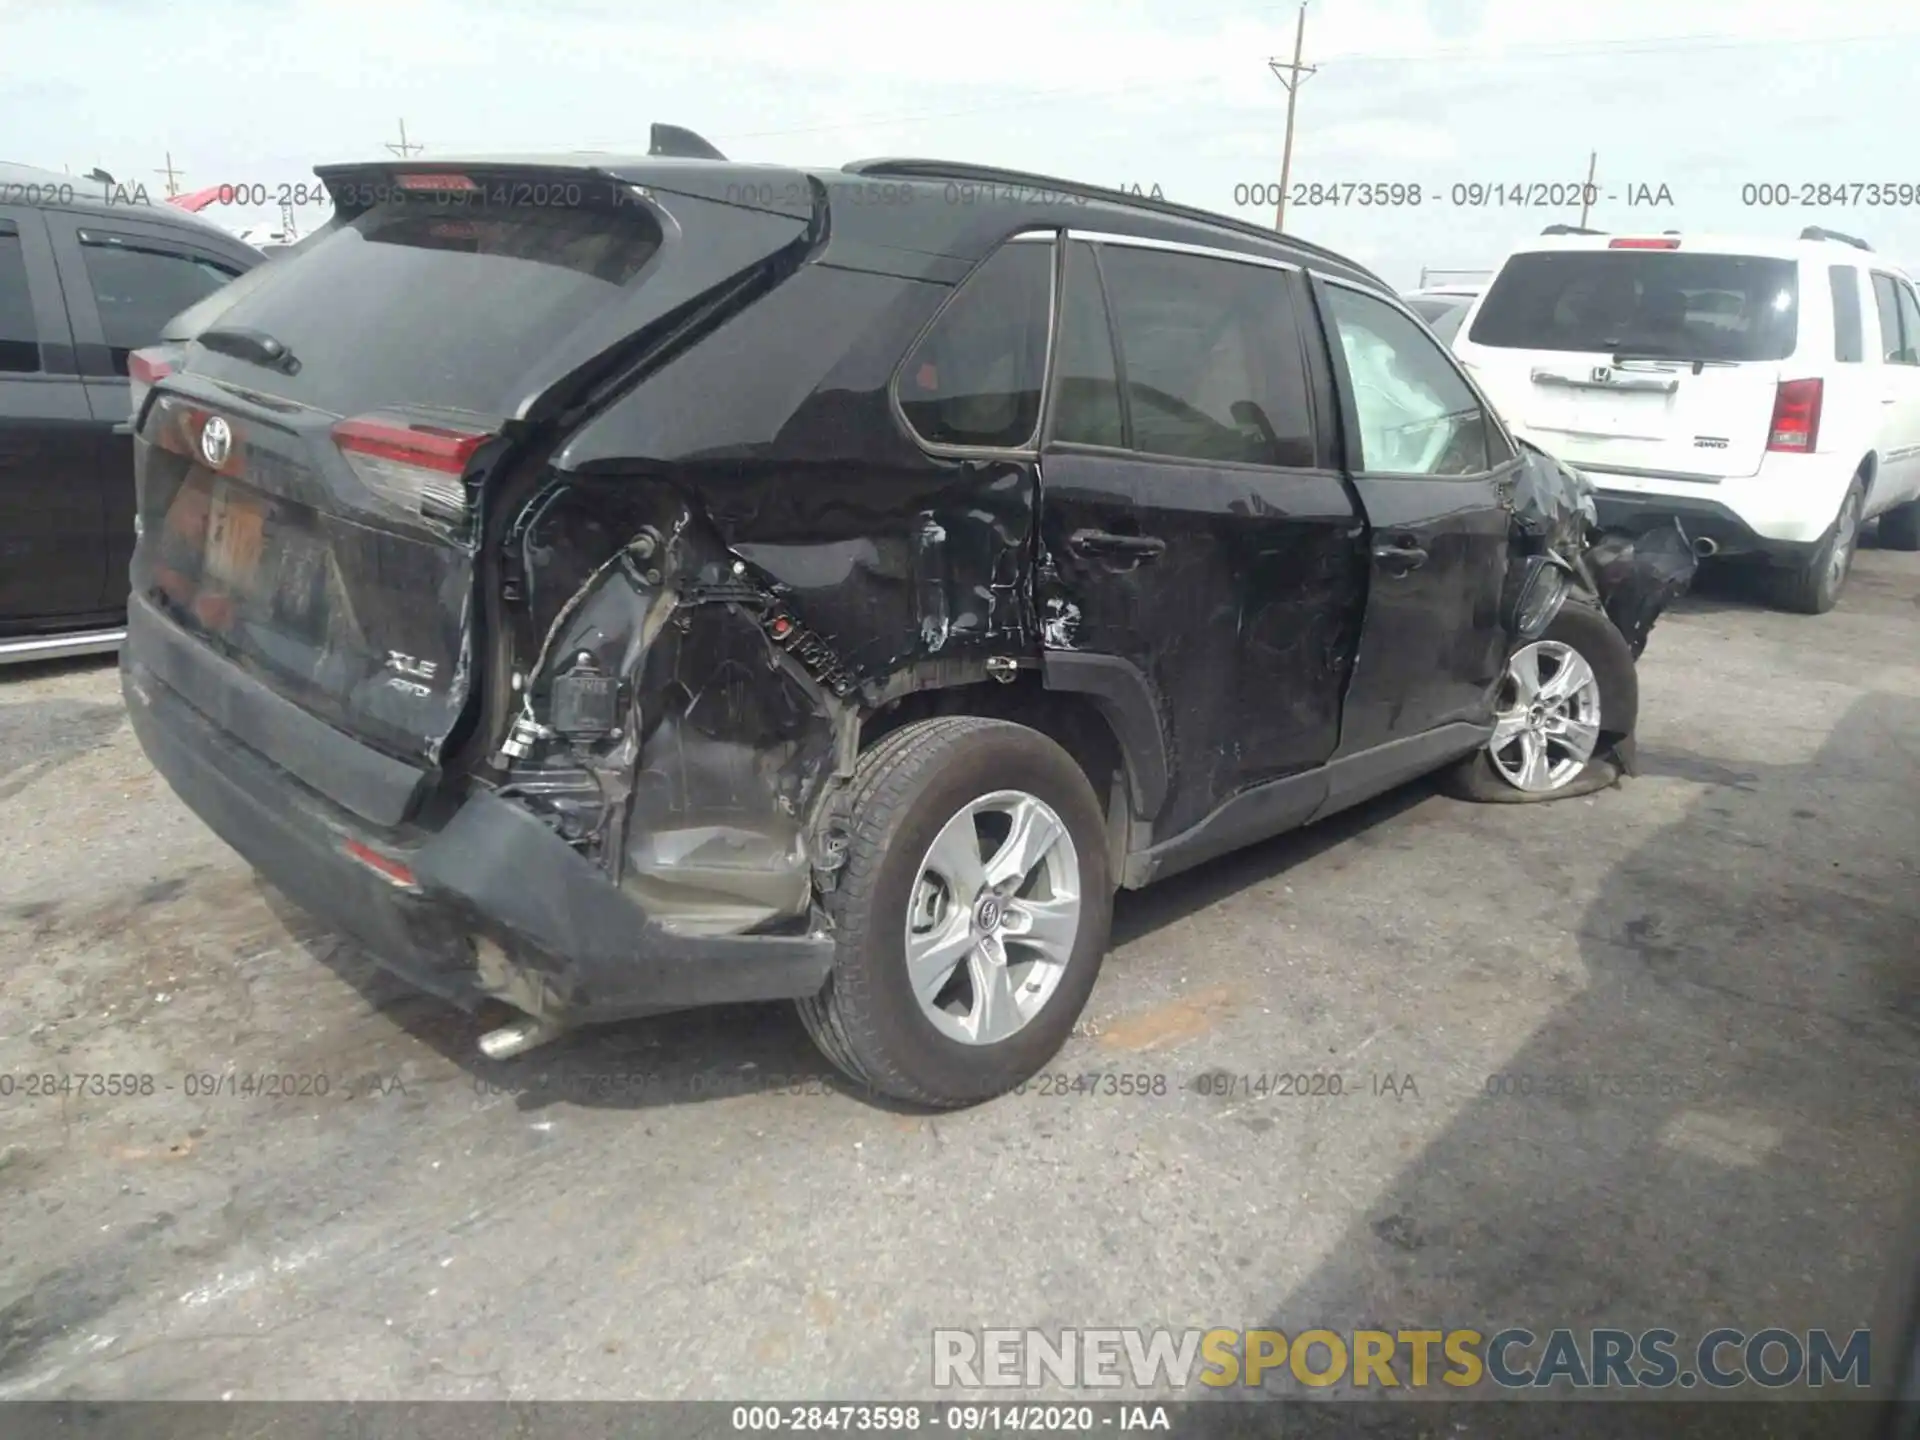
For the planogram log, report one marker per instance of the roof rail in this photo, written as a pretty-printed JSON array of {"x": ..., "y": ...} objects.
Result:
[
  {"x": 683, "y": 144},
  {"x": 1815, "y": 232},
  {"x": 910, "y": 168},
  {"x": 1570, "y": 230}
]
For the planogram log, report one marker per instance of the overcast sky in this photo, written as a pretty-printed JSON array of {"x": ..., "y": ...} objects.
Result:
[{"x": 1700, "y": 97}]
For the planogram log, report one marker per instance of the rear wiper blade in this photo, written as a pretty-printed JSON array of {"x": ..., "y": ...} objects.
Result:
[
  {"x": 254, "y": 345},
  {"x": 1698, "y": 362}
]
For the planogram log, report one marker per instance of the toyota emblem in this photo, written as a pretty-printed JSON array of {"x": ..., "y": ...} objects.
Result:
[{"x": 216, "y": 442}]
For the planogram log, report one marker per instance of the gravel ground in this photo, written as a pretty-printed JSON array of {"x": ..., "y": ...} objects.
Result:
[{"x": 1722, "y": 952}]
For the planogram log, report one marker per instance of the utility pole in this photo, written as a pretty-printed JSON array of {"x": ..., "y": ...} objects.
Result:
[
  {"x": 1586, "y": 195},
  {"x": 403, "y": 149},
  {"x": 173, "y": 184},
  {"x": 1295, "y": 76}
]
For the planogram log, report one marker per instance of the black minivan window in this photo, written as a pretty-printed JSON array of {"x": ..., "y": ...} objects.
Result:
[
  {"x": 1688, "y": 305},
  {"x": 137, "y": 290},
  {"x": 19, "y": 336},
  {"x": 975, "y": 379},
  {"x": 1212, "y": 357}
]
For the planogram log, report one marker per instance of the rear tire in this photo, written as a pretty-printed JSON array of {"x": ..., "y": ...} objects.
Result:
[
  {"x": 1814, "y": 587},
  {"x": 1588, "y": 633},
  {"x": 1900, "y": 527},
  {"x": 911, "y": 790}
]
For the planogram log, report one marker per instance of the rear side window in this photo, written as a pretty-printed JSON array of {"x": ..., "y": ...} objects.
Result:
[
  {"x": 413, "y": 305},
  {"x": 1847, "y": 341},
  {"x": 138, "y": 287},
  {"x": 1086, "y": 384},
  {"x": 1211, "y": 356},
  {"x": 974, "y": 380},
  {"x": 1909, "y": 326},
  {"x": 1650, "y": 303},
  {"x": 1417, "y": 415},
  {"x": 19, "y": 336},
  {"x": 1894, "y": 349}
]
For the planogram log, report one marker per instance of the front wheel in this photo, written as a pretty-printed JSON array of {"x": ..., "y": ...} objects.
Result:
[
  {"x": 1564, "y": 701},
  {"x": 971, "y": 915}
]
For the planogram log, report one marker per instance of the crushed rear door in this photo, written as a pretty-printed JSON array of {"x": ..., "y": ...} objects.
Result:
[
  {"x": 311, "y": 479},
  {"x": 1660, "y": 360}
]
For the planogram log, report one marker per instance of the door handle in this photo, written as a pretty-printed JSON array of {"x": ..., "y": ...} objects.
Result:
[
  {"x": 1105, "y": 542},
  {"x": 1400, "y": 556},
  {"x": 125, "y": 427}
]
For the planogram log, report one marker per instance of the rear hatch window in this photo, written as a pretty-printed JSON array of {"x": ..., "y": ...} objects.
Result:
[
  {"x": 435, "y": 304},
  {"x": 1643, "y": 302},
  {"x": 1643, "y": 362}
]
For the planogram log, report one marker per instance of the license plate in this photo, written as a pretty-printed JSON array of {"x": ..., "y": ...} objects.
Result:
[{"x": 236, "y": 524}]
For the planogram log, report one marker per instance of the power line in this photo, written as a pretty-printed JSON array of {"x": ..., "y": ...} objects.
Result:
[
  {"x": 1548, "y": 50},
  {"x": 403, "y": 149}
]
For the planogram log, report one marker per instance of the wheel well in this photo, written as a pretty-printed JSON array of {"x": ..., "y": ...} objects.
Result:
[{"x": 1071, "y": 721}]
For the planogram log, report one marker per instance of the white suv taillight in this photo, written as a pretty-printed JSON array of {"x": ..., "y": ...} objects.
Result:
[
  {"x": 1795, "y": 426},
  {"x": 416, "y": 467}
]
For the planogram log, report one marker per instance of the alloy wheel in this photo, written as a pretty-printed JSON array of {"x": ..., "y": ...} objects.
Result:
[
  {"x": 994, "y": 913},
  {"x": 1547, "y": 721}
]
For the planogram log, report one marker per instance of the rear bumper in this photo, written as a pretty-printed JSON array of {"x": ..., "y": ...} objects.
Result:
[
  {"x": 492, "y": 873},
  {"x": 1700, "y": 519},
  {"x": 1783, "y": 509}
]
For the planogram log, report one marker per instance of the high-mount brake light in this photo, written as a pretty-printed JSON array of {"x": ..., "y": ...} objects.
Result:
[
  {"x": 417, "y": 467},
  {"x": 1795, "y": 427},
  {"x": 436, "y": 182},
  {"x": 1644, "y": 242}
]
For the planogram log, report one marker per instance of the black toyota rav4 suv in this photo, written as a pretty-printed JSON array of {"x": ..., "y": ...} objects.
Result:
[{"x": 610, "y": 587}]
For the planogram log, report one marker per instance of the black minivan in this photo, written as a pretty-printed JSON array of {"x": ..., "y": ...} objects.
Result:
[
  {"x": 86, "y": 278},
  {"x": 614, "y": 586}
]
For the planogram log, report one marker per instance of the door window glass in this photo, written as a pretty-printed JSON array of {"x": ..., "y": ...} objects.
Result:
[
  {"x": 1847, "y": 342},
  {"x": 1086, "y": 394},
  {"x": 138, "y": 289},
  {"x": 975, "y": 379},
  {"x": 1909, "y": 327},
  {"x": 1418, "y": 415},
  {"x": 19, "y": 337},
  {"x": 1886, "y": 302},
  {"x": 1212, "y": 358}
]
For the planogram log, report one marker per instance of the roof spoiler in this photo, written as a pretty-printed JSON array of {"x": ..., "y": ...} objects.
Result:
[
  {"x": 1815, "y": 232},
  {"x": 1570, "y": 230},
  {"x": 681, "y": 144}
]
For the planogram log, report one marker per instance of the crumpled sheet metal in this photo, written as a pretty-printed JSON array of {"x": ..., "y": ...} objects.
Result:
[
  {"x": 1638, "y": 575},
  {"x": 1552, "y": 501}
]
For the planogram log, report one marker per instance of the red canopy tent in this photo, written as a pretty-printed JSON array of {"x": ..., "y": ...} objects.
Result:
[{"x": 199, "y": 199}]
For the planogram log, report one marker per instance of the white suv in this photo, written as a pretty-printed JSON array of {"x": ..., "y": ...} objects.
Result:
[{"x": 1765, "y": 392}]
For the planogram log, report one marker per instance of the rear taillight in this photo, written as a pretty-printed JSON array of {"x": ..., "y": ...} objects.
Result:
[
  {"x": 145, "y": 369},
  {"x": 1644, "y": 242},
  {"x": 1795, "y": 426},
  {"x": 418, "y": 467}
]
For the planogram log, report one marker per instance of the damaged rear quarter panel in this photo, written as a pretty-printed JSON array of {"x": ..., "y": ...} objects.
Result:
[{"x": 799, "y": 557}]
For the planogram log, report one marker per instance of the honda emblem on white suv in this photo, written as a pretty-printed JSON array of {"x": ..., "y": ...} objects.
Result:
[
  {"x": 216, "y": 442},
  {"x": 1602, "y": 374}
]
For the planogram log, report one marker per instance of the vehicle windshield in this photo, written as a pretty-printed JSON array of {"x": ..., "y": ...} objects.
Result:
[{"x": 1643, "y": 302}]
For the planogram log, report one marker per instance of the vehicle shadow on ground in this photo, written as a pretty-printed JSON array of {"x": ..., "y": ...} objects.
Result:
[
  {"x": 1719, "y": 1129},
  {"x": 725, "y": 1051}
]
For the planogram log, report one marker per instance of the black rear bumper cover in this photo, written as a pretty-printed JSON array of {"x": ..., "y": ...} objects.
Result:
[{"x": 493, "y": 870}]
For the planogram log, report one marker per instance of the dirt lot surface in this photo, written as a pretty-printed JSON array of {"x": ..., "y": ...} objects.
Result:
[{"x": 1706, "y": 982}]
